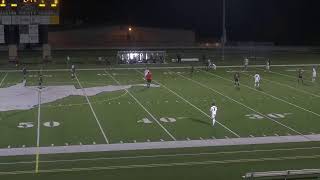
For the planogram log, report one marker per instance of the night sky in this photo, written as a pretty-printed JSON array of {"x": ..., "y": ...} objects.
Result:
[{"x": 283, "y": 21}]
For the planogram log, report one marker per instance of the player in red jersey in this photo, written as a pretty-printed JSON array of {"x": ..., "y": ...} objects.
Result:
[{"x": 149, "y": 79}]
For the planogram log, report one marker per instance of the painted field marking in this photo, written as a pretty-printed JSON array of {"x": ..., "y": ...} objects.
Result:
[
  {"x": 144, "y": 108},
  {"x": 243, "y": 105},
  {"x": 286, "y": 75},
  {"x": 288, "y": 86},
  {"x": 5, "y": 76},
  {"x": 92, "y": 110},
  {"x": 174, "y": 164},
  {"x": 267, "y": 94},
  {"x": 171, "y": 67},
  {"x": 173, "y": 92},
  {"x": 38, "y": 132},
  {"x": 166, "y": 155}
]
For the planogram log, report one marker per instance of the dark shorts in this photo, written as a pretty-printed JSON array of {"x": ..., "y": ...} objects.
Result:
[
  {"x": 149, "y": 80},
  {"x": 300, "y": 77},
  {"x": 236, "y": 80}
]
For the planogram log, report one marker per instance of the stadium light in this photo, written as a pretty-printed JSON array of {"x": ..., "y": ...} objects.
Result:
[{"x": 130, "y": 29}]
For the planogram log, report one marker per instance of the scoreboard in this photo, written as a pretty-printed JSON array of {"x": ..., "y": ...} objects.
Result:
[{"x": 25, "y": 12}]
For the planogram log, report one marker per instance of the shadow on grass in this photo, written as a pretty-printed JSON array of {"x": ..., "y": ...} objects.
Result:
[{"x": 200, "y": 121}]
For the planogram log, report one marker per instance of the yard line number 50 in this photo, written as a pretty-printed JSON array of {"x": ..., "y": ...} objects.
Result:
[{"x": 49, "y": 124}]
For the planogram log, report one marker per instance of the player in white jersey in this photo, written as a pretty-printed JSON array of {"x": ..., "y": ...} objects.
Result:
[
  {"x": 213, "y": 111},
  {"x": 257, "y": 79},
  {"x": 211, "y": 65},
  {"x": 314, "y": 74},
  {"x": 246, "y": 64},
  {"x": 268, "y": 65},
  {"x": 73, "y": 71}
]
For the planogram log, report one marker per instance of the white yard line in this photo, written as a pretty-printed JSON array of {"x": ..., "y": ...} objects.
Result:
[
  {"x": 289, "y": 76},
  {"x": 144, "y": 108},
  {"x": 188, "y": 102},
  {"x": 92, "y": 110},
  {"x": 267, "y": 94},
  {"x": 38, "y": 131},
  {"x": 158, "y": 165},
  {"x": 5, "y": 76},
  {"x": 288, "y": 86},
  {"x": 283, "y": 125},
  {"x": 39, "y": 118}
]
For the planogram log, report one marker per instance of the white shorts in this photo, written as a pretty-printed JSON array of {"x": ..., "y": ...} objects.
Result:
[
  {"x": 213, "y": 116},
  {"x": 314, "y": 75},
  {"x": 257, "y": 81}
]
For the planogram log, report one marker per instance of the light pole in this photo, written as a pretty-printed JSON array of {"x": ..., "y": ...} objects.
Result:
[{"x": 224, "y": 30}]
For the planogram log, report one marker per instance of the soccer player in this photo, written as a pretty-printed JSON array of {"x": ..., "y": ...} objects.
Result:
[
  {"x": 246, "y": 64},
  {"x": 40, "y": 80},
  {"x": 213, "y": 111},
  {"x": 73, "y": 71},
  {"x": 268, "y": 65},
  {"x": 192, "y": 70},
  {"x": 257, "y": 79},
  {"x": 211, "y": 65},
  {"x": 24, "y": 71},
  {"x": 146, "y": 71},
  {"x": 236, "y": 79},
  {"x": 300, "y": 76},
  {"x": 68, "y": 60},
  {"x": 149, "y": 79},
  {"x": 314, "y": 74}
]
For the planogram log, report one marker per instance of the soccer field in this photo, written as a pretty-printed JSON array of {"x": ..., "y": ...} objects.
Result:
[{"x": 87, "y": 132}]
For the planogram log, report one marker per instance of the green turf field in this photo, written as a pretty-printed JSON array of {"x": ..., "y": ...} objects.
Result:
[{"x": 178, "y": 110}]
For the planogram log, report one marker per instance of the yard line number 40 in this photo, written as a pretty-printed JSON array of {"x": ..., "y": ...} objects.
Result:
[{"x": 164, "y": 120}]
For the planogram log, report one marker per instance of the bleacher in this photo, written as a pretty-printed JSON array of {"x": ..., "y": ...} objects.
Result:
[{"x": 288, "y": 174}]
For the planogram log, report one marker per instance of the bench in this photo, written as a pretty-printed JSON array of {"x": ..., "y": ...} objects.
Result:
[{"x": 288, "y": 174}]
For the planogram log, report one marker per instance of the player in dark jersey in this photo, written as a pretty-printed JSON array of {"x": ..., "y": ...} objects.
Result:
[
  {"x": 192, "y": 70},
  {"x": 24, "y": 71},
  {"x": 40, "y": 80},
  {"x": 236, "y": 77},
  {"x": 300, "y": 76}
]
